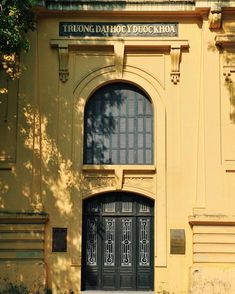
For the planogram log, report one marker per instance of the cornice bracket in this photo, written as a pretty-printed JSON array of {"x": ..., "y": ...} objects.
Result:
[
  {"x": 215, "y": 20},
  {"x": 215, "y": 16},
  {"x": 119, "y": 178},
  {"x": 63, "y": 63},
  {"x": 119, "y": 51},
  {"x": 175, "y": 64}
]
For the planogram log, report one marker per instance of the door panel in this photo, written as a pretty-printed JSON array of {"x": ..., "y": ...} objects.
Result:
[
  {"x": 118, "y": 243},
  {"x": 127, "y": 253},
  {"x": 144, "y": 255},
  {"x": 108, "y": 246}
]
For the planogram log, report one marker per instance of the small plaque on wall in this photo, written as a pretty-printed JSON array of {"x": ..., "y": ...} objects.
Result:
[
  {"x": 59, "y": 240},
  {"x": 177, "y": 239}
]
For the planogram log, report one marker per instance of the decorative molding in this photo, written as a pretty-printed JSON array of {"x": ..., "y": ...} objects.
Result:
[
  {"x": 94, "y": 182},
  {"x": 63, "y": 63},
  {"x": 175, "y": 64},
  {"x": 175, "y": 46},
  {"x": 225, "y": 40},
  {"x": 142, "y": 182}
]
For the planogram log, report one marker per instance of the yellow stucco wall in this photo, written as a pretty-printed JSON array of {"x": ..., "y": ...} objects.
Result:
[{"x": 192, "y": 178}]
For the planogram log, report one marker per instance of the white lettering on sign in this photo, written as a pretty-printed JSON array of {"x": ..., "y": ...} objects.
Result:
[{"x": 126, "y": 29}]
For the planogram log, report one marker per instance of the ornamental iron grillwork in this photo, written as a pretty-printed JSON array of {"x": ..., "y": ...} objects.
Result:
[
  {"x": 144, "y": 242},
  {"x": 126, "y": 243},
  {"x": 91, "y": 242},
  {"x": 109, "y": 243}
]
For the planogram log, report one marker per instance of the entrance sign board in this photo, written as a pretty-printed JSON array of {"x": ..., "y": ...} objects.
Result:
[{"x": 86, "y": 29}]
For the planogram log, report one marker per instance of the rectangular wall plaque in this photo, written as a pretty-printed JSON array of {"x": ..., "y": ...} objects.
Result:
[
  {"x": 59, "y": 240},
  {"x": 177, "y": 241},
  {"x": 82, "y": 29}
]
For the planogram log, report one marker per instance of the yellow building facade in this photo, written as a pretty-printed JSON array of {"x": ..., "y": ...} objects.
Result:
[{"x": 117, "y": 150}]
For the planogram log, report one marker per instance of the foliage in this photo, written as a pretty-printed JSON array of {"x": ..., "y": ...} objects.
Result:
[
  {"x": 21, "y": 288},
  {"x": 16, "y": 19},
  {"x": 15, "y": 289}
]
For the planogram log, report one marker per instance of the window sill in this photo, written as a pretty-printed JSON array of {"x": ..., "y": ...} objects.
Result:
[{"x": 109, "y": 167}]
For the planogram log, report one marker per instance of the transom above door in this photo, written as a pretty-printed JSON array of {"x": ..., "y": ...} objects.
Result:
[{"x": 117, "y": 243}]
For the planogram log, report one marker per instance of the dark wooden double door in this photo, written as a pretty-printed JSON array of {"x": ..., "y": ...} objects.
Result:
[{"x": 117, "y": 243}]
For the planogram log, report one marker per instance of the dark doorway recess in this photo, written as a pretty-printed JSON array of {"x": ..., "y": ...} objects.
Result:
[{"x": 117, "y": 251}]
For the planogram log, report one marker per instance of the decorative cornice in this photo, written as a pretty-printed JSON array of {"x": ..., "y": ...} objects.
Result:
[
  {"x": 73, "y": 5},
  {"x": 117, "y": 7}
]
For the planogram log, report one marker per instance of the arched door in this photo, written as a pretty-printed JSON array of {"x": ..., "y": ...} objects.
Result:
[{"x": 117, "y": 243}]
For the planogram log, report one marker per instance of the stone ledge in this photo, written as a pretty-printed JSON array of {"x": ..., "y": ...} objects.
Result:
[{"x": 215, "y": 220}]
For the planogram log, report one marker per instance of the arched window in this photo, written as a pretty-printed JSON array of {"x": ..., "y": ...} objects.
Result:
[{"x": 118, "y": 126}]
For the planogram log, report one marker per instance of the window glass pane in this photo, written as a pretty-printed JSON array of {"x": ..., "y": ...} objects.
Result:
[
  {"x": 140, "y": 106},
  {"x": 131, "y": 125},
  {"x": 148, "y": 154},
  {"x": 122, "y": 156},
  {"x": 130, "y": 156},
  {"x": 140, "y": 155},
  {"x": 148, "y": 123},
  {"x": 106, "y": 143},
  {"x": 140, "y": 140},
  {"x": 140, "y": 124},
  {"x": 123, "y": 125},
  {"x": 114, "y": 156},
  {"x": 122, "y": 140},
  {"x": 89, "y": 141},
  {"x": 98, "y": 140},
  {"x": 131, "y": 107},
  {"x": 114, "y": 138},
  {"x": 123, "y": 107},
  {"x": 89, "y": 155},
  {"x": 131, "y": 140},
  {"x": 106, "y": 156},
  {"x": 114, "y": 109},
  {"x": 148, "y": 107},
  {"x": 148, "y": 142}
]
